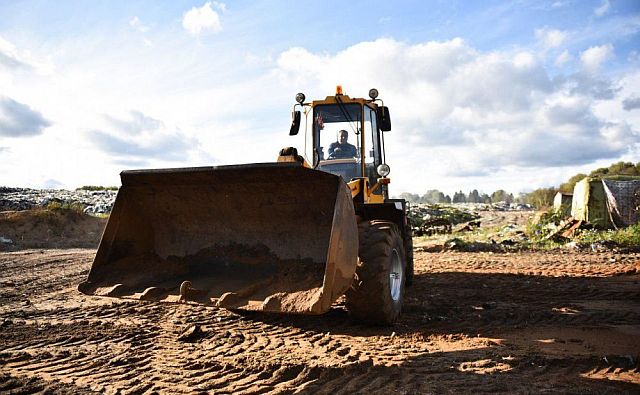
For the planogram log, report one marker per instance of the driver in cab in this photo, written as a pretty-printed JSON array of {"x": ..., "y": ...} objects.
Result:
[{"x": 342, "y": 149}]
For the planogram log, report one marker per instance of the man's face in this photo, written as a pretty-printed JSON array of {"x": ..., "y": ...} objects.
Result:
[{"x": 343, "y": 137}]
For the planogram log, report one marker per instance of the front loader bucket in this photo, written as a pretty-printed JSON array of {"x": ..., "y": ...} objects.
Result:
[{"x": 272, "y": 237}]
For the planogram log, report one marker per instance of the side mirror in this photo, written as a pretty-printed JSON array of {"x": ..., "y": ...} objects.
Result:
[
  {"x": 295, "y": 123},
  {"x": 384, "y": 119}
]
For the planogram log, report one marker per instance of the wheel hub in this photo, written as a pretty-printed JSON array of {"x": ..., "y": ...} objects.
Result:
[{"x": 395, "y": 276}]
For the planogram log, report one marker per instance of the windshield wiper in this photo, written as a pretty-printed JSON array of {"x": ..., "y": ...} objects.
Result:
[{"x": 345, "y": 113}]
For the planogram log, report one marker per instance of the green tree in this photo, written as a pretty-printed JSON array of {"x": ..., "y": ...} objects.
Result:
[
  {"x": 541, "y": 197},
  {"x": 433, "y": 196},
  {"x": 617, "y": 169},
  {"x": 459, "y": 197},
  {"x": 474, "y": 197},
  {"x": 501, "y": 196},
  {"x": 567, "y": 187},
  {"x": 410, "y": 197}
]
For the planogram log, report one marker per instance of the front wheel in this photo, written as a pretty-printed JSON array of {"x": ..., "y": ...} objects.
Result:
[{"x": 377, "y": 293}]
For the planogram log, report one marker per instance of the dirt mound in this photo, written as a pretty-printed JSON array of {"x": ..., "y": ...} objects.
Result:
[{"x": 41, "y": 228}]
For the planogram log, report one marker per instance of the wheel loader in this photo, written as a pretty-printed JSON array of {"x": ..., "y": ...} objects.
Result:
[{"x": 290, "y": 236}]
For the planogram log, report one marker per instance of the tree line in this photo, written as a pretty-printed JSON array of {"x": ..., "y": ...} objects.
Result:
[
  {"x": 541, "y": 197},
  {"x": 434, "y": 196}
]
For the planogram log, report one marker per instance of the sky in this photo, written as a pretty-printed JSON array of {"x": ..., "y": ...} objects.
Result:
[{"x": 483, "y": 95}]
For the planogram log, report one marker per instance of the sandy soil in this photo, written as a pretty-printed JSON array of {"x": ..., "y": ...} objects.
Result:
[
  {"x": 473, "y": 322},
  {"x": 40, "y": 228}
]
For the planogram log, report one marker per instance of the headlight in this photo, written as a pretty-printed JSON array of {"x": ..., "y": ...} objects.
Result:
[
  {"x": 384, "y": 170},
  {"x": 373, "y": 93},
  {"x": 300, "y": 97}
]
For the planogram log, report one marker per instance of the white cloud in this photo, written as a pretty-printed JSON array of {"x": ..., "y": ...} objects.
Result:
[
  {"x": 563, "y": 58},
  {"x": 593, "y": 57},
  {"x": 19, "y": 120},
  {"x": 221, "y": 6},
  {"x": 602, "y": 9},
  {"x": 12, "y": 58},
  {"x": 9, "y": 56},
  {"x": 142, "y": 139},
  {"x": 460, "y": 110},
  {"x": 457, "y": 110},
  {"x": 551, "y": 38},
  {"x": 138, "y": 25},
  {"x": 199, "y": 20},
  {"x": 136, "y": 123},
  {"x": 631, "y": 103}
]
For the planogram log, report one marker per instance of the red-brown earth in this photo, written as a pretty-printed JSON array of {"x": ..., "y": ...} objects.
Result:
[{"x": 526, "y": 322}]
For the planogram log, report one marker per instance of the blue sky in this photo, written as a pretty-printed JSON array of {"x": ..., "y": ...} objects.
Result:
[{"x": 487, "y": 95}]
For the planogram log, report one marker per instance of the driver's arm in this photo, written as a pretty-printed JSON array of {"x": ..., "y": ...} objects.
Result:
[{"x": 332, "y": 148}]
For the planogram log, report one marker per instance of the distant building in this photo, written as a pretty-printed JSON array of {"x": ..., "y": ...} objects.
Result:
[{"x": 562, "y": 202}]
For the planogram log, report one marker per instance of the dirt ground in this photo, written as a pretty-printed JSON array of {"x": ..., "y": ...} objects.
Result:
[
  {"x": 41, "y": 228},
  {"x": 473, "y": 322}
]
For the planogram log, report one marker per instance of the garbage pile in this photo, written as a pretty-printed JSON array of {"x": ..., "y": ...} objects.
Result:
[
  {"x": 497, "y": 206},
  {"x": 428, "y": 219},
  {"x": 91, "y": 202}
]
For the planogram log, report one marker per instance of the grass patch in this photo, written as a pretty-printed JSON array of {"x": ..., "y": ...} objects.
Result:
[
  {"x": 72, "y": 206},
  {"x": 625, "y": 237},
  {"x": 537, "y": 232}
]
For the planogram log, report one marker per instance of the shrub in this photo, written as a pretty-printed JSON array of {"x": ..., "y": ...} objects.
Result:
[
  {"x": 625, "y": 237},
  {"x": 538, "y": 229},
  {"x": 73, "y": 206}
]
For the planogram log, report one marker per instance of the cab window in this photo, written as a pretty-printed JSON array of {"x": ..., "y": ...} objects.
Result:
[
  {"x": 372, "y": 150},
  {"x": 337, "y": 132}
]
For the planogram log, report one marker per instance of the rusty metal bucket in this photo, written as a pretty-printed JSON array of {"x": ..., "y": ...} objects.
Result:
[{"x": 272, "y": 237}]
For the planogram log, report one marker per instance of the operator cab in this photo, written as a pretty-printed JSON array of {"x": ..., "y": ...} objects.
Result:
[
  {"x": 346, "y": 135},
  {"x": 337, "y": 135},
  {"x": 358, "y": 120}
]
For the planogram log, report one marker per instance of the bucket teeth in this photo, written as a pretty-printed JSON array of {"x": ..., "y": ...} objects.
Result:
[
  {"x": 117, "y": 290},
  {"x": 153, "y": 293},
  {"x": 185, "y": 287},
  {"x": 272, "y": 303},
  {"x": 230, "y": 300}
]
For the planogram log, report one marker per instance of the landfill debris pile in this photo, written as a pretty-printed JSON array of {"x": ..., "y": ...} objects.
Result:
[
  {"x": 93, "y": 202},
  {"x": 497, "y": 206},
  {"x": 420, "y": 213},
  {"x": 428, "y": 219}
]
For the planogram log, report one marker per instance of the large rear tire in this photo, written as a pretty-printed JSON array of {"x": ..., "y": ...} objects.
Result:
[{"x": 377, "y": 292}]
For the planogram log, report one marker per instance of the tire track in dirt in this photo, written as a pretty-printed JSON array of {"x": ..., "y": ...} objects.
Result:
[{"x": 461, "y": 328}]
